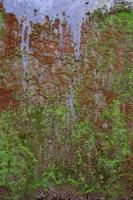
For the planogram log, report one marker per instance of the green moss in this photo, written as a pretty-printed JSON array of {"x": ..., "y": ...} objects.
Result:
[
  {"x": 1, "y": 24},
  {"x": 122, "y": 17}
]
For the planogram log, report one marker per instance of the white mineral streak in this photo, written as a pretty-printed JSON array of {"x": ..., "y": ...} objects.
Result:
[
  {"x": 26, "y": 30},
  {"x": 35, "y": 11}
]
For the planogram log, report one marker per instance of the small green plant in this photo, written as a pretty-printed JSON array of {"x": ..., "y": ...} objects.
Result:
[{"x": 17, "y": 164}]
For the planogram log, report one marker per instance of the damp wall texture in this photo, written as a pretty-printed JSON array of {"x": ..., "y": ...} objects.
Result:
[{"x": 66, "y": 123}]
